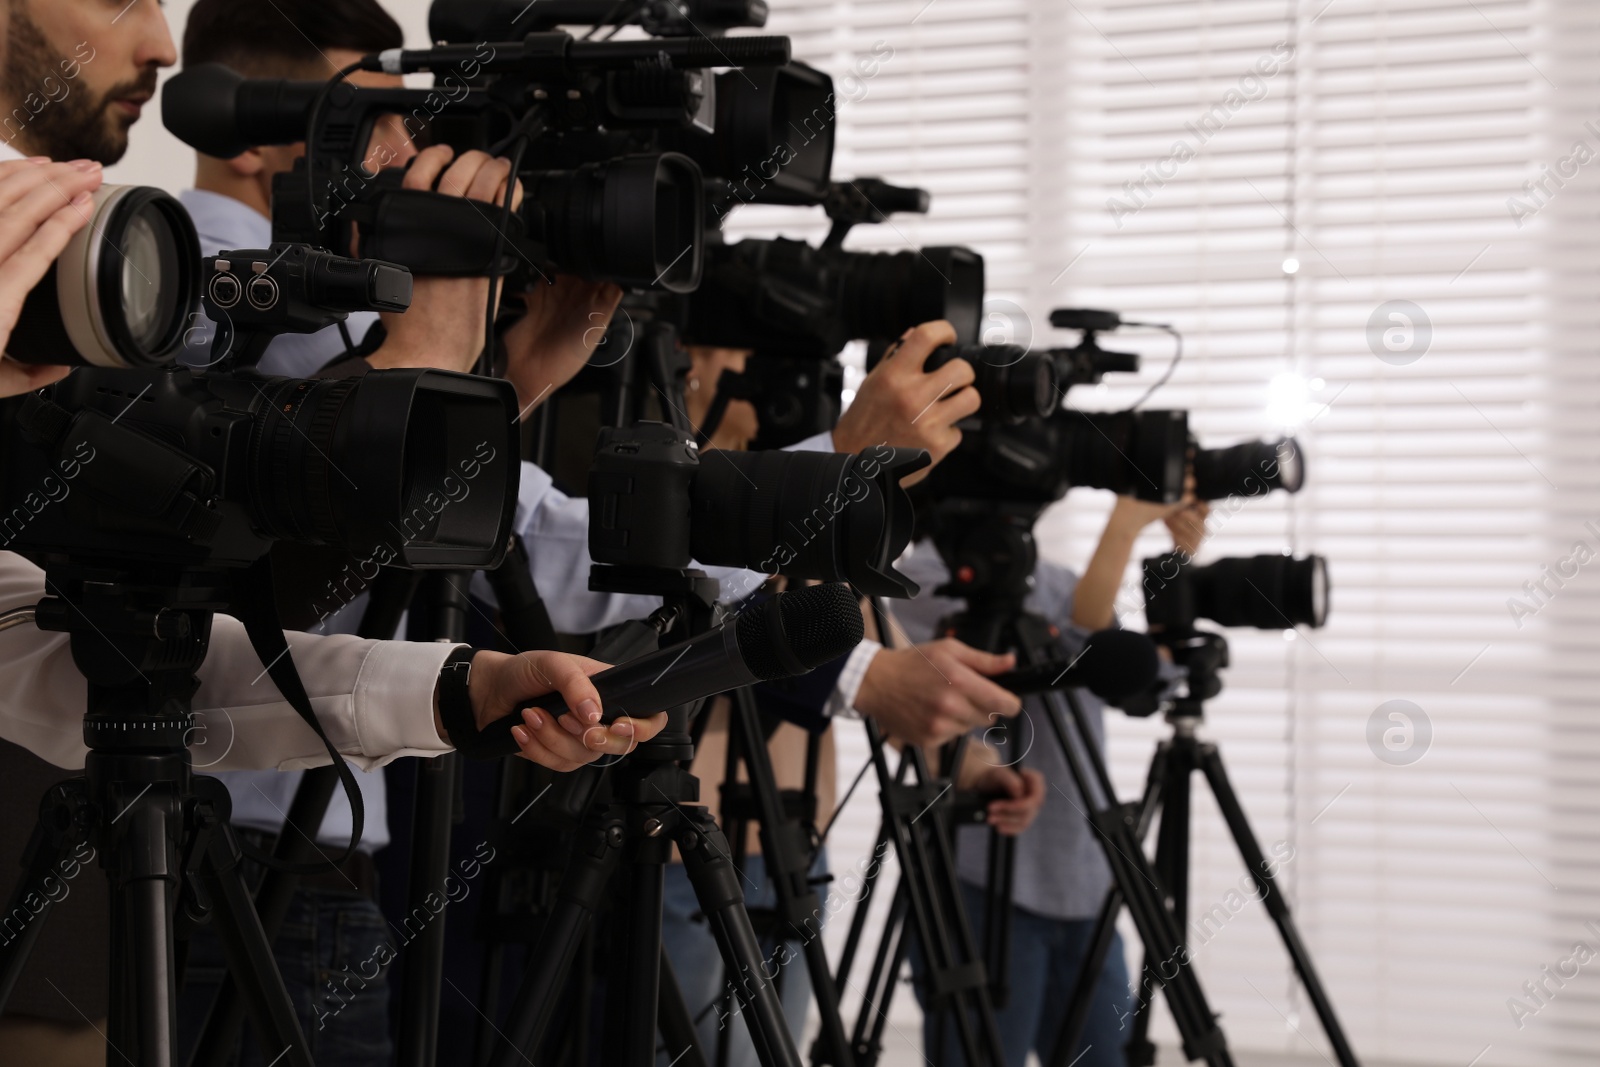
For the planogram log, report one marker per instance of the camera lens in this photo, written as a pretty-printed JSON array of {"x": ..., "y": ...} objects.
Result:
[
  {"x": 398, "y": 458},
  {"x": 121, "y": 293},
  {"x": 1267, "y": 592},
  {"x": 1015, "y": 384},
  {"x": 655, "y": 501},
  {"x": 637, "y": 220},
  {"x": 1142, "y": 453},
  {"x": 883, "y": 294},
  {"x": 1254, "y": 468}
]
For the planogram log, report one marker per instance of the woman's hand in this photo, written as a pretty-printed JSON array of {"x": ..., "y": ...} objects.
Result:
[
  {"x": 566, "y": 742},
  {"x": 566, "y": 319},
  {"x": 42, "y": 204},
  {"x": 1019, "y": 794}
]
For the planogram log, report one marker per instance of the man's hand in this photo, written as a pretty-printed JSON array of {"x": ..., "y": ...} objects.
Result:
[
  {"x": 903, "y": 406},
  {"x": 443, "y": 328},
  {"x": 499, "y": 683},
  {"x": 1020, "y": 794},
  {"x": 565, "y": 320},
  {"x": 42, "y": 204},
  {"x": 936, "y": 692}
]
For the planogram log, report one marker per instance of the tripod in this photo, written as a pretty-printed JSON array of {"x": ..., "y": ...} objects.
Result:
[
  {"x": 992, "y": 556},
  {"x": 915, "y": 821},
  {"x": 162, "y": 834},
  {"x": 639, "y": 808},
  {"x": 1168, "y": 789}
]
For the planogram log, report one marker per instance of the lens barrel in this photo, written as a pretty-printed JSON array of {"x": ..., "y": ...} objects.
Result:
[
  {"x": 883, "y": 294},
  {"x": 122, "y": 293},
  {"x": 1253, "y": 468},
  {"x": 655, "y": 502},
  {"x": 1267, "y": 592},
  {"x": 1138, "y": 453},
  {"x": 637, "y": 220},
  {"x": 1015, "y": 384}
]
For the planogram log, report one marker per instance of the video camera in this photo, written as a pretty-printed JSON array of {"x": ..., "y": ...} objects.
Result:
[{"x": 134, "y": 458}]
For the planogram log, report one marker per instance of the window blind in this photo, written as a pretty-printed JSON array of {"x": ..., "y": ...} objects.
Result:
[{"x": 1331, "y": 201}]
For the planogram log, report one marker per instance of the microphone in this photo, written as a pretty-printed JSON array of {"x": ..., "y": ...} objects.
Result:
[
  {"x": 790, "y": 634},
  {"x": 555, "y": 55},
  {"x": 1114, "y": 665}
]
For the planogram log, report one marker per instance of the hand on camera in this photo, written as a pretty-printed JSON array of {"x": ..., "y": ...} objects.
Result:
[
  {"x": 932, "y": 693},
  {"x": 443, "y": 328},
  {"x": 1188, "y": 526},
  {"x": 901, "y": 405},
  {"x": 42, "y": 204},
  {"x": 499, "y": 683},
  {"x": 1019, "y": 793},
  {"x": 565, "y": 320}
]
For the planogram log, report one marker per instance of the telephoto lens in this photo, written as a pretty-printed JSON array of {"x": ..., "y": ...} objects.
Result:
[
  {"x": 654, "y": 501},
  {"x": 1267, "y": 592},
  {"x": 1015, "y": 384},
  {"x": 1254, "y": 468},
  {"x": 122, "y": 293},
  {"x": 785, "y": 297},
  {"x": 637, "y": 220},
  {"x": 1138, "y": 453}
]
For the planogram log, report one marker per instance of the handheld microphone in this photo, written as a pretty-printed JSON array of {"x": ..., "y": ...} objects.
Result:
[
  {"x": 1114, "y": 665},
  {"x": 788, "y": 635}
]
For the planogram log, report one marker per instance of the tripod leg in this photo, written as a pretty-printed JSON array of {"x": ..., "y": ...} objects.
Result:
[
  {"x": 247, "y": 949},
  {"x": 716, "y": 886},
  {"x": 55, "y": 835},
  {"x": 677, "y": 1028},
  {"x": 1070, "y": 1034},
  {"x": 799, "y": 906},
  {"x": 594, "y": 860},
  {"x": 633, "y": 984},
  {"x": 880, "y": 981},
  {"x": 296, "y": 844},
  {"x": 1210, "y": 760},
  {"x": 422, "y": 970}
]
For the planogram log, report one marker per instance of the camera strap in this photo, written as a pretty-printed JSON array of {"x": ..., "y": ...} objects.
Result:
[{"x": 255, "y": 605}]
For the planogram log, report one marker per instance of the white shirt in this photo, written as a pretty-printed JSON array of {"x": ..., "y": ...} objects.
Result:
[{"x": 373, "y": 698}]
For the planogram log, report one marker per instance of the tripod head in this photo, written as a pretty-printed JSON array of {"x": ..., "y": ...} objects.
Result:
[
  {"x": 1201, "y": 653},
  {"x": 990, "y": 554}
]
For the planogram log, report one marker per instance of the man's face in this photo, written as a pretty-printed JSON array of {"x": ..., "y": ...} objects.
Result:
[{"x": 76, "y": 73}]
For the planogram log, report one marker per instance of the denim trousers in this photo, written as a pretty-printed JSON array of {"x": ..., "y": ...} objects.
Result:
[
  {"x": 334, "y": 951},
  {"x": 1045, "y": 956},
  {"x": 698, "y": 966}
]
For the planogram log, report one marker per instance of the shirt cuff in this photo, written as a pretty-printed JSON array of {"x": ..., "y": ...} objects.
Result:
[
  {"x": 842, "y": 701},
  {"x": 822, "y": 442},
  {"x": 393, "y": 699}
]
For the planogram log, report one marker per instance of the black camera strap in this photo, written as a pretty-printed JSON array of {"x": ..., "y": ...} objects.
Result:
[{"x": 255, "y": 605}]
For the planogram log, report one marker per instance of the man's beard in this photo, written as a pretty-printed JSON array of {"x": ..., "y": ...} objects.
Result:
[{"x": 76, "y": 126}]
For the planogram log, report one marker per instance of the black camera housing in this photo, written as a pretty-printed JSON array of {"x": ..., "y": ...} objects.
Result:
[
  {"x": 1267, "y": 592},
  {"x": 655, "y": 502}
]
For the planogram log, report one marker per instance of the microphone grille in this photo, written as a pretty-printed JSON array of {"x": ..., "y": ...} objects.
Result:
[
  {"x": 818, "y": 624},
  {"x": 1116, "y": 664}
]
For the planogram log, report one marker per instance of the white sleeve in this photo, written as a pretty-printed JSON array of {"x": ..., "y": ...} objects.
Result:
[
  {"x": 842, "y": 701},
  {"x": 374, "y": 698},
  {"x": 822, "y": 442}
]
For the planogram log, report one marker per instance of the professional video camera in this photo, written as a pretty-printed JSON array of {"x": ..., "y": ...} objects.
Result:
[
  {"x": 134, "y": 458},
  {"x": 609, "y": 197}
]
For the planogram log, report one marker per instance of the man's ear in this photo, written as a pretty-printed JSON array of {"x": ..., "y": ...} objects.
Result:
[{"x": 247, "y": 164}]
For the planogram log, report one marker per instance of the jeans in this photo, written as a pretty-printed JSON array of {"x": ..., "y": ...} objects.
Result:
[
  {"x": 333, "y": 951},
  {"x": 698, "y": 966},
  {"x": 1045, "y": 956}
]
